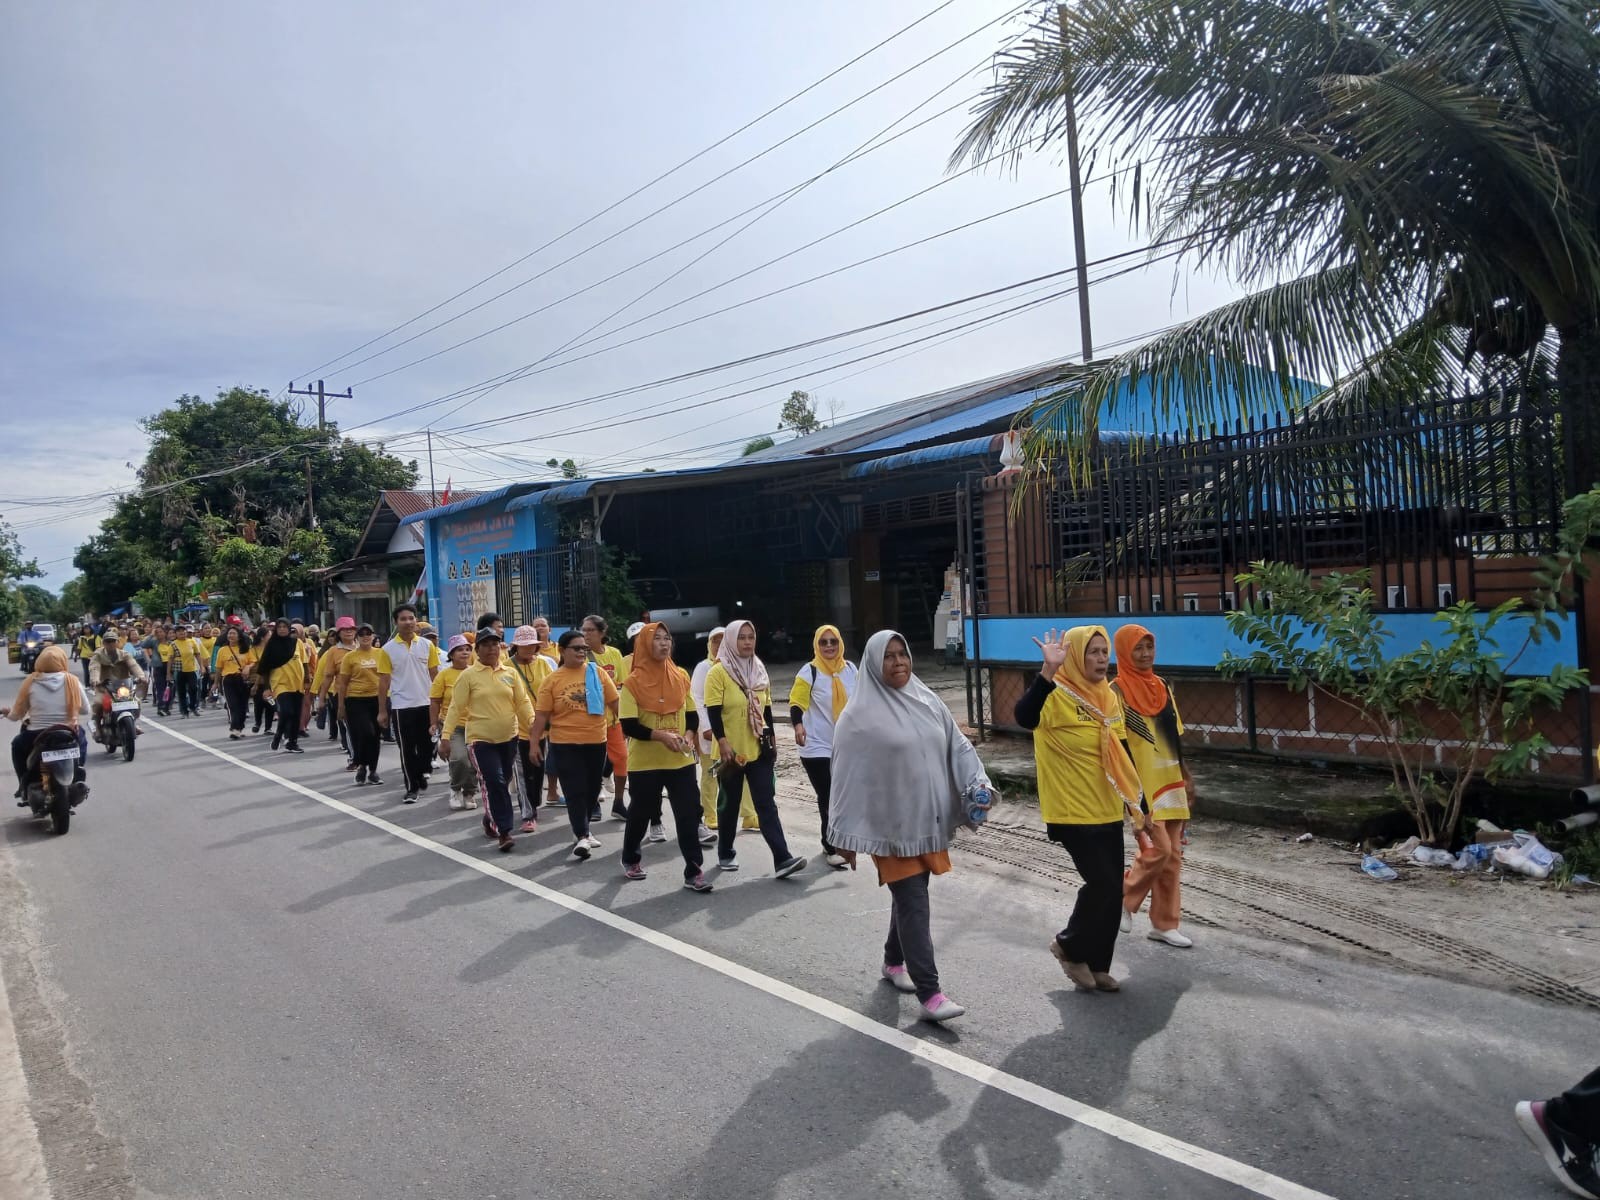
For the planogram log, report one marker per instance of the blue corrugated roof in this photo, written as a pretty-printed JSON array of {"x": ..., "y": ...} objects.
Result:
[
  {"x": 1001, "y": 408},
  {"x": 971, "y": 448},
  {"x": 445, "y": 510}
]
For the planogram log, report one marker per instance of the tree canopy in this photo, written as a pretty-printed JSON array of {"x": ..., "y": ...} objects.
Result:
[
  {"x": 13, "y": 569},
  {"x": 1405, "y": 185},
  {"x": 242, "y": 466}
]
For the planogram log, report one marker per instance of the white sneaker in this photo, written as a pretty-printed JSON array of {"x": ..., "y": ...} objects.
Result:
[
  {"x": 940, "y": 1008},
  {"x": 837, "y": 861},
  {"x": 1126, "y": 922},
  {"x": 706, "y": 835},
  {"x": 1171, "y": 937},
  {"x": 457, "y": 801},
  {"x": 592, "y": 842},
  {"x": 471, "y": 799},
  {"x": 657, "y": 832}
]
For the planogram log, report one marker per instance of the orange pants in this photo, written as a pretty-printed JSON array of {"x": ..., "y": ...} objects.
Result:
[
  {"x": 617, "y": 751},
  {"x": 1155, "y": 872}
]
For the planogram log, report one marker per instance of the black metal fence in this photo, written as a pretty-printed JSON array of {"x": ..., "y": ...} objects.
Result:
[
  {"x": 561, "y": 584},
  {"x": 1444, "y": 500}
]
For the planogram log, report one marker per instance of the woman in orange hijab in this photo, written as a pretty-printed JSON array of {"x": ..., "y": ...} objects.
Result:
[
  {"x": 1087, "y": 784},
  {"x": 1154, "y": 730}
]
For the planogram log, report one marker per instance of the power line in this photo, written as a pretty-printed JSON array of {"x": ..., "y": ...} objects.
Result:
[{"x": 658, "y": 179}]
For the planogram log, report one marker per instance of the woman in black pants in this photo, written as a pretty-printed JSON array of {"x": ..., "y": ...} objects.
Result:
[
  {"x": 1087, "y": 782},
  {"x": 363, "y": 710},
  {"x": 283, "y": 672},
  {"x": 236, "y": 658},
  {"x": 266, "y": 712},
  {"x": 572, "y": 706}
]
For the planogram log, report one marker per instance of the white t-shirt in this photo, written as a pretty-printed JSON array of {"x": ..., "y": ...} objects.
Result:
[
  {"x": 411, "y": 667},
  {"x": 819, "y": 712}
]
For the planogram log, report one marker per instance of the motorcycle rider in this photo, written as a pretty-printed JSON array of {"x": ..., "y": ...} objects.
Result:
[
  {"x": 109, "y": 666},
  {"x": 50, "y": 695}
]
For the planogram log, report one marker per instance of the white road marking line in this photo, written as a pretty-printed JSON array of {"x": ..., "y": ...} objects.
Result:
[
  {"x": 1207, "y": 1162},
  {"x": 22, "y": 1170}
]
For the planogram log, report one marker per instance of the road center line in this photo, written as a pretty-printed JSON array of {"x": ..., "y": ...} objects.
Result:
[{"x": 1208, "y": 1162}]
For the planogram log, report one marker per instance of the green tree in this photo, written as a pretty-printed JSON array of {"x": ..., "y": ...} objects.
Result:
[
  {"x": 799, "y": 414},
  {"x": 568, "y": 468},
  {"x": 1322, "y": 636},
  {"x": 73, "y": 603},
  {"x": 764, "y": 442},
  {"x": 244, "y": 460},
  {"x": 13, "y": 567},
  {"x": 1403, "y": 184},
  {"x": 255, "y": 575},
  {"x": 39, "y": 602}
]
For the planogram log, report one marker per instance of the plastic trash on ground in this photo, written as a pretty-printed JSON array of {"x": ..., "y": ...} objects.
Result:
[
  {"x": 1527, "y": 855},
  {"x": 1374, "y": 866},
  {"x": 1403, "y": 849},
  {"x": 1429, "y": 857},
  {"x": 1473, "y": 857}
]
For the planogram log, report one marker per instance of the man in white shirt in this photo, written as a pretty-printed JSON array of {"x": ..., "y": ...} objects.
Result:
[{"x": 413, "y": 662}]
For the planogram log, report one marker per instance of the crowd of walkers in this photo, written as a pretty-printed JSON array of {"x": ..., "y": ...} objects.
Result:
[{"x": 518, "y": 722}]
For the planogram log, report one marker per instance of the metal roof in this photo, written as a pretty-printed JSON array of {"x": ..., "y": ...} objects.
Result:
[{"x": 455, "y": 506}]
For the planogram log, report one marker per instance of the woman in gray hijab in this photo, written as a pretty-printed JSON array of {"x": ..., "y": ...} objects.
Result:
[{"x": 903, "y": 778}]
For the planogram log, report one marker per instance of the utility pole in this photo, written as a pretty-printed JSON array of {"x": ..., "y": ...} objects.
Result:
[
  {"x": 1076, "y": 181},
  {"x": 323, "y": 397},
  {"x": 433, "y": 492}
]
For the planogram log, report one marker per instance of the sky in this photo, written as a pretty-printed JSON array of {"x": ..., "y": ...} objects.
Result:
[{"x": 201, "y": 196}]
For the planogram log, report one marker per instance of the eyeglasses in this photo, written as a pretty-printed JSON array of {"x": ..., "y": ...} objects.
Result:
[{"x": 828, "y": 642}]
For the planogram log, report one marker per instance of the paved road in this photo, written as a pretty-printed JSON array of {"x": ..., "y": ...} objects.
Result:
[{"x": 236, "y": 982}]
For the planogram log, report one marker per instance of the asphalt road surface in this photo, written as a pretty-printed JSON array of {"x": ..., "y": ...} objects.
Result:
[{"x": 239, "y": 975}]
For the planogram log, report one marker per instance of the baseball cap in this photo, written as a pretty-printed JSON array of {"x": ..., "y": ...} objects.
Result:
[
  {"x": 487, "y": 634},
  {"x": 457, "y": 641},
  {"x": 526, "y": 635},
  {"x": 635, "y": 630}
]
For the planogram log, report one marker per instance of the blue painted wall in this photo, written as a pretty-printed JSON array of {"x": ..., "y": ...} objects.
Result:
[
  {"x": 461, "y": 549},
  {"x": 1199, "y": 640}
]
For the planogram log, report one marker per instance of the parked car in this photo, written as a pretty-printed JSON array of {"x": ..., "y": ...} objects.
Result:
[{"x": 664, "y": 602}]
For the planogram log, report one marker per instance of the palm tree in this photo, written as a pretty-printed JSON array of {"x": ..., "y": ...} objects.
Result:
[{"x": 1403, "y": 184}]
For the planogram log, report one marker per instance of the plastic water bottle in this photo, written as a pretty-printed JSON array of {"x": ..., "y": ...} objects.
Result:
[
  {"x": 978, "y": 802},
  {"x": 1378, "y": 869}
]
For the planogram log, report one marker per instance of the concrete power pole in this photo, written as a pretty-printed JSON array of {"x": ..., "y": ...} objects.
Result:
[
  {"x": 1076, "y": 181},
  {"x": 322, "y": 401}
]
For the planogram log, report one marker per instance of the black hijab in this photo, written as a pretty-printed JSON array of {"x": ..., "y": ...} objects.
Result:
[{"x": 276, "y": 650}]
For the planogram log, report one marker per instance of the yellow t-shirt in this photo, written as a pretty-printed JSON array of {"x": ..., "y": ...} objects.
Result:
[
  {"x": 291, "y": 677},
  {"x": 164, "y": 650},
  {"x": 492, "y": 703},
  {"x": 188, "y": 654},
  {"x": 1073, "y": 788},
  {"x": 87, "y": 645},
  {"x": 561, "y": 699},
  {"x": 328, "y": 667},
  {"x": 722, "y": 690},
  {"x": 235, "y": 662},
  {"x": 207, "y": 645},
  {"x": 652, "y": 755},
  {"x": 551, "y": 651},
  {"x": 531, "y": 674},
  {"x": 1158, "y": 757},
  {"x": 360, "y": 669},
  {"x": 443, "y": 690}
]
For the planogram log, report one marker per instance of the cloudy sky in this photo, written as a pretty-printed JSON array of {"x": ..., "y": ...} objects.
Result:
[{"x": 203, "y": 195}]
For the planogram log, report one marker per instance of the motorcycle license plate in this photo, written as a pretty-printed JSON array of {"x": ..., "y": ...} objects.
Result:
[
  {"x": 125, "y": 706},
  {"x": 50, "y": 756}
]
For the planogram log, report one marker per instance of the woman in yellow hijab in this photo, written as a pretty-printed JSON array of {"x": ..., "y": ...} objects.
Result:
[
  {"x": 1087, "y": 784},
  {"x": 819, "y": 693}
]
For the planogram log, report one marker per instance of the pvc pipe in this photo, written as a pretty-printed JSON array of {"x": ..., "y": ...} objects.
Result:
[
  {"x": 1578, "y": 820},
  {"x": 1586, "y": 795}
]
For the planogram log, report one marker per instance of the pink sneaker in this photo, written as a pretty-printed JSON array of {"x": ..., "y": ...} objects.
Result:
[
  {"x": 900, "y": 977},
  {"x": 939, "y": 1007}
]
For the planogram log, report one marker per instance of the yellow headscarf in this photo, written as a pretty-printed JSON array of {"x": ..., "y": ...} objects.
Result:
[
  {"x": 1099, "y": 700},
  {"x": 835, "y": 669}
]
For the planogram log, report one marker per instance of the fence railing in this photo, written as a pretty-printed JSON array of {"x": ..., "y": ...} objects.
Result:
[{"x": 561, "y": 584}]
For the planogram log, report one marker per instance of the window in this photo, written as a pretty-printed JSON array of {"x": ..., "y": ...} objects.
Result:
[
  {"x": 1191, "y": 602},
  {"x": 1395, "y": 595},
  {"x": 1447, "y": 595},
  {"x": 1157, "y": 603}
]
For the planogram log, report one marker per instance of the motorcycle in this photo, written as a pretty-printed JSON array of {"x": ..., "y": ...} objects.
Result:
[
  {"x": 118, "y": 723},
  {"x": 52, "y": 763}
]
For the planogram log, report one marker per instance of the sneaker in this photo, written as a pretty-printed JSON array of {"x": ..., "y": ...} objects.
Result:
[
  {"x": 580, "y": 849},
  {"x": 619, "y": 812},
  {"x": 1574, "y": 1162},
  {"x": 789, "y": 866},
  {"x": 633, "y": 871},
  {"x": 706, "y": 834},
  {"x": 727, "y": 864},
  {"x": 471, "y": 798},
  {"x": 838, "y": 862},
  {"x": 507, "y": 842},
  {"x": 1125, "y": 922},
  {"x": 372, "y": 777},
  {"x": 1082, "y": 978},
  {"x": 939, "y": 1007},
  {"x": 1171, "y": 937},
  {"x": 559, "y": 802},
  {"x": 530, "y": 826},
  {"x": 349, "y": 766},
  {"x": 698, "y": 884},
  {"x": 596, "y": 813},
  {"x": 361, "y": 775},
  {"x": 295, "y": 749},
  {"x": 457, "y": 801},
  {"x": 409, "y": 798},
  {"x": 1105, "y": 981},
  {"x": 900, "y": 977},
  {"x": 658, "y": 832},
  {"x": 592, "y": 842}
]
